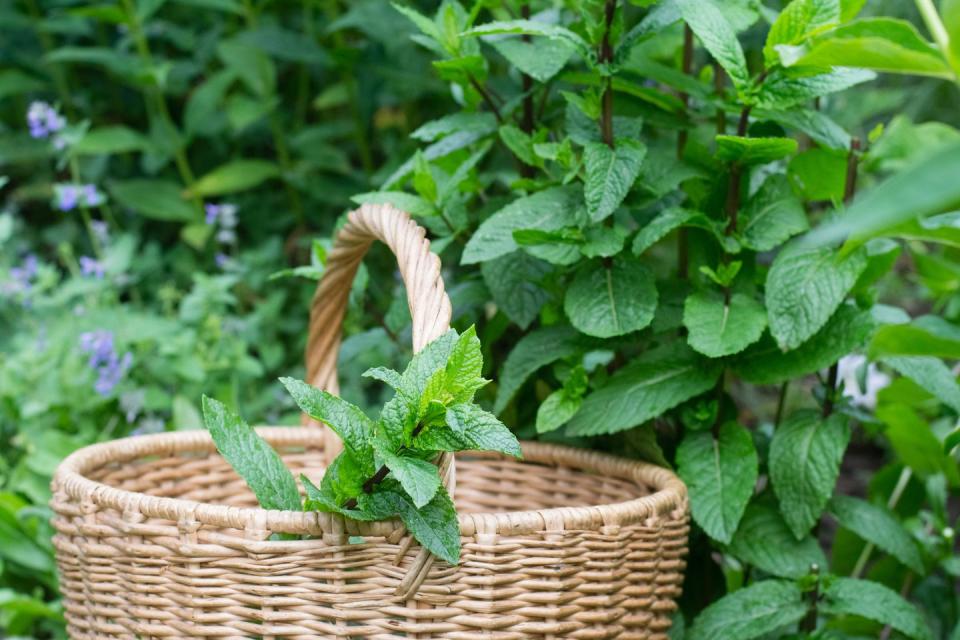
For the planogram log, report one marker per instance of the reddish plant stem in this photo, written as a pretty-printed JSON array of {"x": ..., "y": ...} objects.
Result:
[
  {"x": 371, "y": 483},
  {"x": 606, "y": 55},
  {"x": 683, "y": 241},
  {"x": 732, "y": 207},
  {"x": 487, "y": 98},
  {"x": 719, "y": 76}
]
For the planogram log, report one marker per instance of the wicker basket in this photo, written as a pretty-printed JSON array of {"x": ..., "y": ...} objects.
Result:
[{"x": 157, "y": 537}]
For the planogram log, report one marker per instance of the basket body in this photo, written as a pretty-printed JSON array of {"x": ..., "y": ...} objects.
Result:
[{"x": 157, "y": 537}]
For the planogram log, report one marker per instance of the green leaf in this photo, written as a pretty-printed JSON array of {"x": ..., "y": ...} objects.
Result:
[
  {"x": 786, "y": 88},
  {"x": 878, "y": 526},
  {"x": 14, "y": 82},
  {"x": 426, "y": 362},
  {"x": 556, "y": 410},
  {"x": 915, "y": 444},
  {"x": 764, "y": 541},
  {"x": 668, "y": 220},
  {"x": 540, "y": 59},
  {"x": 796, "y": 22},
  {"x": 414, "y": 205},
  {"x": 482, "y": 430},
  {"x": 772, "y": 215},
  {"x": 873, "y": 601},
  {"x": 110, "y": 140},
  {"x": 645, "y": 389},
  {"x": 950, "y": 14},
  {"x": 718, "y": 37},
  {"x": 347, "y": 421},
  {"x": 463, "y": 371},
  {"x": 155, "y": 199},
  {"x": 804, "y": 288},
  {"x": 548, "y": 210},
  {"x": 819, "y": 174},
  {"x": 478, "y": 123},
  {"x": 931, "y": 374},
  {"x": 238, "y": 175},
  {"x": 720, "y": 328},
  {"x": 751, "y": 612},
  {"x": 720, "y": 475},
  {"x": 747, "y": 151},
  {"x": 514, "y": 282},
  {"x": 254, "y": 68},
  {"x": 925, "y": 336},
  {"x": 251, "y": 457},
  {"x": 536, "y": 349},
  {"x": 610, "y": 301},
  {"x": 435, "y": 525},
  {"x": 805, "y": 457},
  {"x": 846, "y": 331},
  {"x": 926, "y": 187},
  {"x": 419, "y": 478},
  {"x": 610, "y": 173},
  {"x": 531, "y": 28},
  {"x": 881, "y": 44}
]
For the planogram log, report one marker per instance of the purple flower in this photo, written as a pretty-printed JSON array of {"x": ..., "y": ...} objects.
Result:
[
  {"x": 109, "y": 366},
  {"x": 43, "y": 120},
  {"x": 213, "y": 212},
  {"x": 21, "y": 278},
  {"x": 91, "y": 267},
  {"x": 222, "y": 260},
  {"x": 68, "y": 196}
]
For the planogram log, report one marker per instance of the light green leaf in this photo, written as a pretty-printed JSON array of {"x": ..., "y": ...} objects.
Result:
[
  {"x": 536, "y": 349},
  {"x": 925, "y": 188},
  {"x": 414, "y": 205},
  {"x": 881, "y": 44},
  {"x": 251, "y": 457},
  {"x": 873, "y": 601},
  {"x": 804, "y": 288},
  {"x": 610, "y": 301},
  {"x": 747, "y": 151},
  {"x": 931, "y": 374},
  {"x": 718, "y": 37},
  {"x": 764, "y": 541},
  {"x": 720, "y": 475},
  {"x": 156, "y": 199},
  {"x": 347, "y": 421},
  {"x": 482, "y": 123},
  {"x": 464, "y": 368},
  {"x": 110, "y": 140},
  {"x": 751, "y": 612},
  {"x": 645, "y": 389},
  {"x": 950, "y": 14},
  {"x": 383, "y": 374},
  {"x": 532, "y": 28},
  {"x": 610, "y": 175},
  {"x": 419, "y": 478},
  {"x": 482, "y": 429},
  {"x": 562, "y": 404},
  {"x": 771, "y": 216},
  {"x": 786, "y": 88},
  {"x": 548, "y": 210},
  {"x": 514, "y": 282},
  {"x": 845, "y": 332},
  {"x": 915, "y": 444},
  {"x": 426, "y": 363},
  {"x": 805, "y": 457},
  {"x": 540, "y": 59},
  {"x": 798, "y": 20},
  {"x": 925, "y": 336},
  {"x": 878, "y": 526},
  {"x": 238, "y": 175},
  {"x": 819, "y": 174},
  {"x": 720, "y": 328}
]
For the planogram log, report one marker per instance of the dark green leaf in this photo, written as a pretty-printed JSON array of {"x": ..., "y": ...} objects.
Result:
[
  {"x": 771, "y": 216},
  {"x": 514, "y": 282},
  {"x": 610, "y": 175},
  {"x": 718, "y": 37},
  {"x": 347, "y": 421},
  {"x": 610, "y": 301},
  {"x": 717, "y": 327},
  {"x": 764, "y": 541},
  {"x": 878, "y": 526},
  {"x": 533, "y": 351},
  {"x": 751, "y": 612},
  {"x": 873, "y": 601}
]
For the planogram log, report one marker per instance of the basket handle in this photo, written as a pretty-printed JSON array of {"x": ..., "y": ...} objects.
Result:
[{"x": 427, "y": 299}]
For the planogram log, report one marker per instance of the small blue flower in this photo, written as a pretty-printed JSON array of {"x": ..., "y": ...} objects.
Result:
[
  {"x": 67, "y": 196},
  {"x": 222, "y": 260},
  {"x": 44, "y": 120},
  {"x": 91, "y": 267},
  {"x": 109, "y": 366},
  {"x": 21, "y": 278}
]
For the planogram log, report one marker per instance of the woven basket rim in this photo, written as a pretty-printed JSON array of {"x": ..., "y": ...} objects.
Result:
[{"x": 669, "y": 498}]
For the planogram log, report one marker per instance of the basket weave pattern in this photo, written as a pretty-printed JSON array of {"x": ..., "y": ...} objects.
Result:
[{"x": 158, "y": 537}]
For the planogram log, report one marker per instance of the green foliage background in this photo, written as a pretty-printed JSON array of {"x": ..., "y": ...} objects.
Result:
[{"x": 640, "y": 205}]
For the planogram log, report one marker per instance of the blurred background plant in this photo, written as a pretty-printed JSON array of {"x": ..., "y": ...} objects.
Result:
[{"x": 171, "y": 172}]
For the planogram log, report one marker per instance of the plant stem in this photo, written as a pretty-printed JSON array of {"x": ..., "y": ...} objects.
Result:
[
  {"x": 732, "y": 207},
  {"x": 371, "y": 483},
  {"x": 719, "y": 76},
  {"x": 487, "y": 98},
  {"x": 931, "y": 18},
  {"x": 606, "y": 55},
  {"x": 683, "y": 248},
  {"x": 781, "y": 402},
  {"x": 809, "y": 623},
  {"x": 895, "y": 496},
  {"x": 527, "y": 123},
  {"x": 46, "y": 42}
]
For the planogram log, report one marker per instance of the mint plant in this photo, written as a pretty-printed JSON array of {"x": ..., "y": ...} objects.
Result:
[{"x": 386, "y": 468}]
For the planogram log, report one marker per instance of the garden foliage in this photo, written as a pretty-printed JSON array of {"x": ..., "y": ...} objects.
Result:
[{"x": 720, "y": 235}]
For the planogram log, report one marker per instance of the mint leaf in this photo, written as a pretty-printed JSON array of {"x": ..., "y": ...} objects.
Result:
[
  {"x": 610, "y": 173},
  {"x": 747, "y": 151},
  {"x": 481, "y": 430},
  {"x": 556, "y": 410},
  {"x": 772, "y": 215},
  {"x": 425, "y": 363},
  {"x": 718, "y": 37},
  {"x": 718, "y": 328},
  {"x": 805, "y": 457},
  {"x": 419, "y": 478},
  {"x": 537, "y": 349},
  {"x": 347, "y": 420},
  {"x": 385, "y": 375},
  {"x": 514, "y": 282},
  {"x": 645, "y": 389},
  {"x": 664, "y": 223},
  {"x": 873, "y": 601},
  {"x": 925, "y": 336},
  {"x": 931, "y": 374},
  {"x": 764, "y": 541},
  {"x": 541, "y": 58},
  {"x": 434, "y": 525},
  {"x": 546, "y": 210},
  {"x": 914, "y": 442},
  {"x": 804, "y": 288},
  {"x": 787, "y": 88},
  {"x": 251, "y": 457},
  {"x": 798, "y": 20},
  {"x": 751, "y": 612},
  {"x": 610, "y": 301},
  {"x": 720, "y": 475},
  {"x": 845, "y": 332},
  {"x": 464, "y": 368},
  {"x": 877, "y": 525}
]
